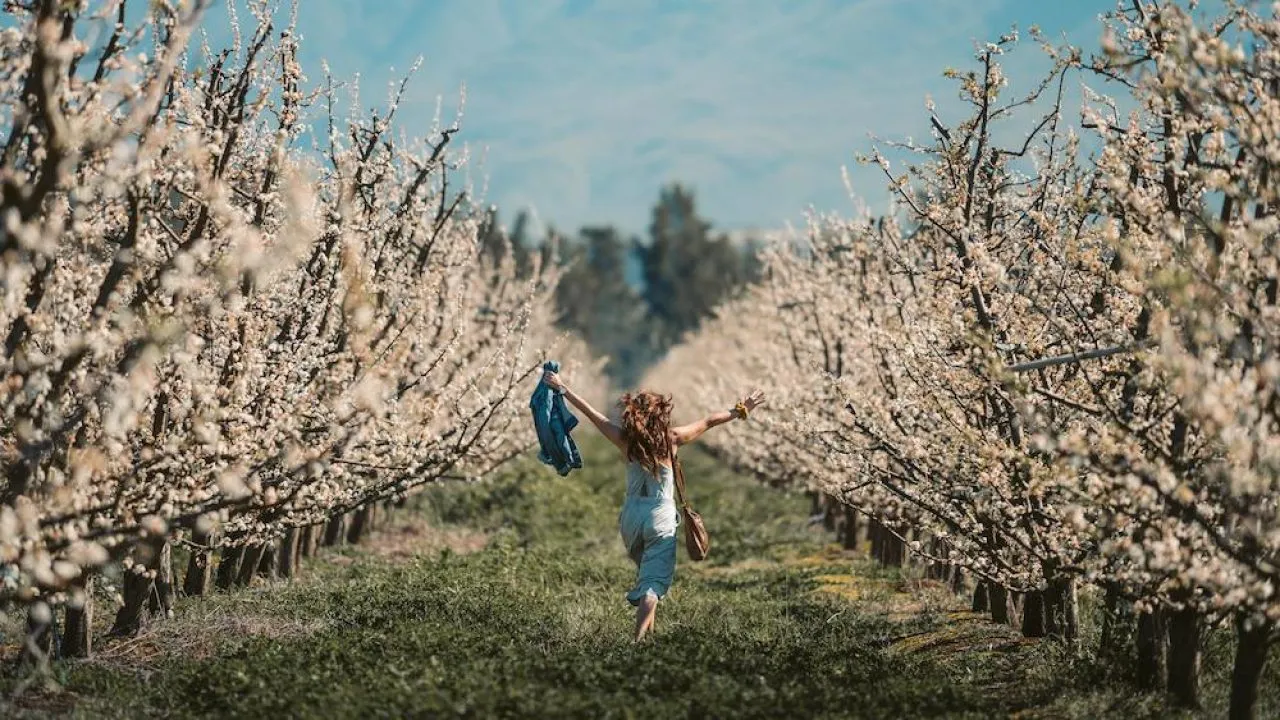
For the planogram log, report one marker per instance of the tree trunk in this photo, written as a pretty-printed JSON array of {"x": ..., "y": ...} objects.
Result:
[
  {"x": 980, "y": 601},
  {"x": 815, "y": 503},
  {"x": 267, "y": 565},
  {"x": 998, "y": 599},
  {"x": 1052, "y": 611},
  {"x": 828, "y": 513},
  {"x": 199, "y": 567},
  {"x": 249, "y": 565},
  {"x": 37, "y": 644},
  {"x": 229, "y": 567},
  {"x": 850, "y": 539},
  {"x": 359, "y": 525},
  {"x": 288, "y": 560},
  {"x": 1252, "y": 640},
  {"x": 875, "y": 536},
  {"x": 896, "y": 549},
  {"x": 957, "y": 579},
  {"x": 936, "y": 569},
  {"x": 307, "y": 544},
  {"x": 1063, "y": 612},
  {"x": 1117, "y": 627},
  {"x": 1152, "y": 661},
  {"x": 138, "y": 589},
  {"x": 333, "y": 531},
  {"x": 1184, "y": 657},
  {"x": 1034, "y": 623},
  {"x": 297, "y": 551},
  {"x": 77, "y": 636},
  {"x": 161, "y": 601}
]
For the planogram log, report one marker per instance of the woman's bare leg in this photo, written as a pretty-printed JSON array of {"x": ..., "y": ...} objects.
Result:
[{"x": 645, "y": 613}]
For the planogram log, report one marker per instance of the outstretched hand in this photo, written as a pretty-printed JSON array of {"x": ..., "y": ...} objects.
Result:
[
  {"x": 754, "y": 400},
  {"x": 553, "y": 380}
]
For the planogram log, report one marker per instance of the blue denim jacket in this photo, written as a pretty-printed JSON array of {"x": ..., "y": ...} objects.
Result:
[{"x": 554, "y": 422}]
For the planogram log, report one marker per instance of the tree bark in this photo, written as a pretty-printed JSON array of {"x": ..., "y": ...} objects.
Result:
[
  {"x": 317, "y": 535},
  {"x": 1052, "y": 610},
  {"x": 1034, "y": 623},
  {"x": 875, "y": 536},
  {"x": 1117, "y": 627},
  {"x": 288, "y": 560},
  {"x": 199, "y": 567},
  {"x": 138, "y": 589},
  {"x": 980, "y": 600},
  {"x": 895, "y": 549},
  {"x": 298, "y": 543},
  {"x": 333, "y": 531},
  {"x": 1252, "y": 641},
  {"x": 1063, "y": 612},
  {"x": 850, "y": 536},
  {"x": 1184, "y": 657},
  {"x": 267, "y": 564},
  {"x": 161, "y": 601},
  {"x": 37, "y": 644},
  {"x": 998, "y": 599},
  {"x": 957, "y": 579},
  {"x": 307, "y": 544},
  {"x": 229, "y": 567},
  {"x": 77, "y": 636},
  {"x": 937, "y": 570},
  {"x": 359, "y": 525},
  {"x": 249, "y": 565},
  {"x": 1152, "y": 660},
  {"x": 828, "y": 513}
]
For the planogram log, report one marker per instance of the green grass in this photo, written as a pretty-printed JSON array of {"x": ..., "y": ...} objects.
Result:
[{"x": 535, "y": 625}]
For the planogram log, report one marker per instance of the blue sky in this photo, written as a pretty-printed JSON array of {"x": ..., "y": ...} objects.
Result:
[{"x": 581, "y": 109}]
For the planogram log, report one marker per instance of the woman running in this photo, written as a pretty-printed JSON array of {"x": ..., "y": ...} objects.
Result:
[{"x": 649, "y": 515}]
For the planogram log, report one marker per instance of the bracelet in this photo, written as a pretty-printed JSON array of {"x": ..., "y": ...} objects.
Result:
[{"x": 741, "y": 410}]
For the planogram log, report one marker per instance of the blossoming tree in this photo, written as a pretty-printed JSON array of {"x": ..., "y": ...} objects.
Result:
[{"x": 214, "y": 336}]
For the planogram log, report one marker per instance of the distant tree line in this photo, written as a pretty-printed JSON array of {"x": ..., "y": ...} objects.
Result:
[{"x": 632, "y": 299}]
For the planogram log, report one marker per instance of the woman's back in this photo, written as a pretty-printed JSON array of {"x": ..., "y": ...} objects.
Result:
[{"x": 644, "y": 485}]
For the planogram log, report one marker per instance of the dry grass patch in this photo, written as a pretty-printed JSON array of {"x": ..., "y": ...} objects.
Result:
[
  {"x": 411, "y": 538},
  {"x": 198, "y": 632},
  {"x": 851, "y": 577},
  {"x": 712, "y": 571}
]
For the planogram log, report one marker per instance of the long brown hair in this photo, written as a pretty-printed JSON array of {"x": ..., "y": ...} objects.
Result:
[{"x": 646, "y": 427}]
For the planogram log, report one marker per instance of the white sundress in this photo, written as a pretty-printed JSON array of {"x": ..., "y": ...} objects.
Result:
[{"x": 648, "y": 523}]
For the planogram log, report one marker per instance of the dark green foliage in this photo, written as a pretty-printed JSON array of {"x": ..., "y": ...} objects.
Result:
[
  {"x": 595, "y": 300},
  {"x": 632, "y": 300},
  {"x": 688, "y": 270}
]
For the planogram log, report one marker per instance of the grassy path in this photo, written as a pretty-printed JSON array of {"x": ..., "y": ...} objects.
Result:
[{"x": 506, "y": 600}]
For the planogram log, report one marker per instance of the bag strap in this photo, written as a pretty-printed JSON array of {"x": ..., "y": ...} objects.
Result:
[{"x": 678, "y": 472}]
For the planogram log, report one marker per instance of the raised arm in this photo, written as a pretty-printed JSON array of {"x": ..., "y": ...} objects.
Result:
[
  {"x": 612, "y": 432},
  {"x": 686, "y": 434}
]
